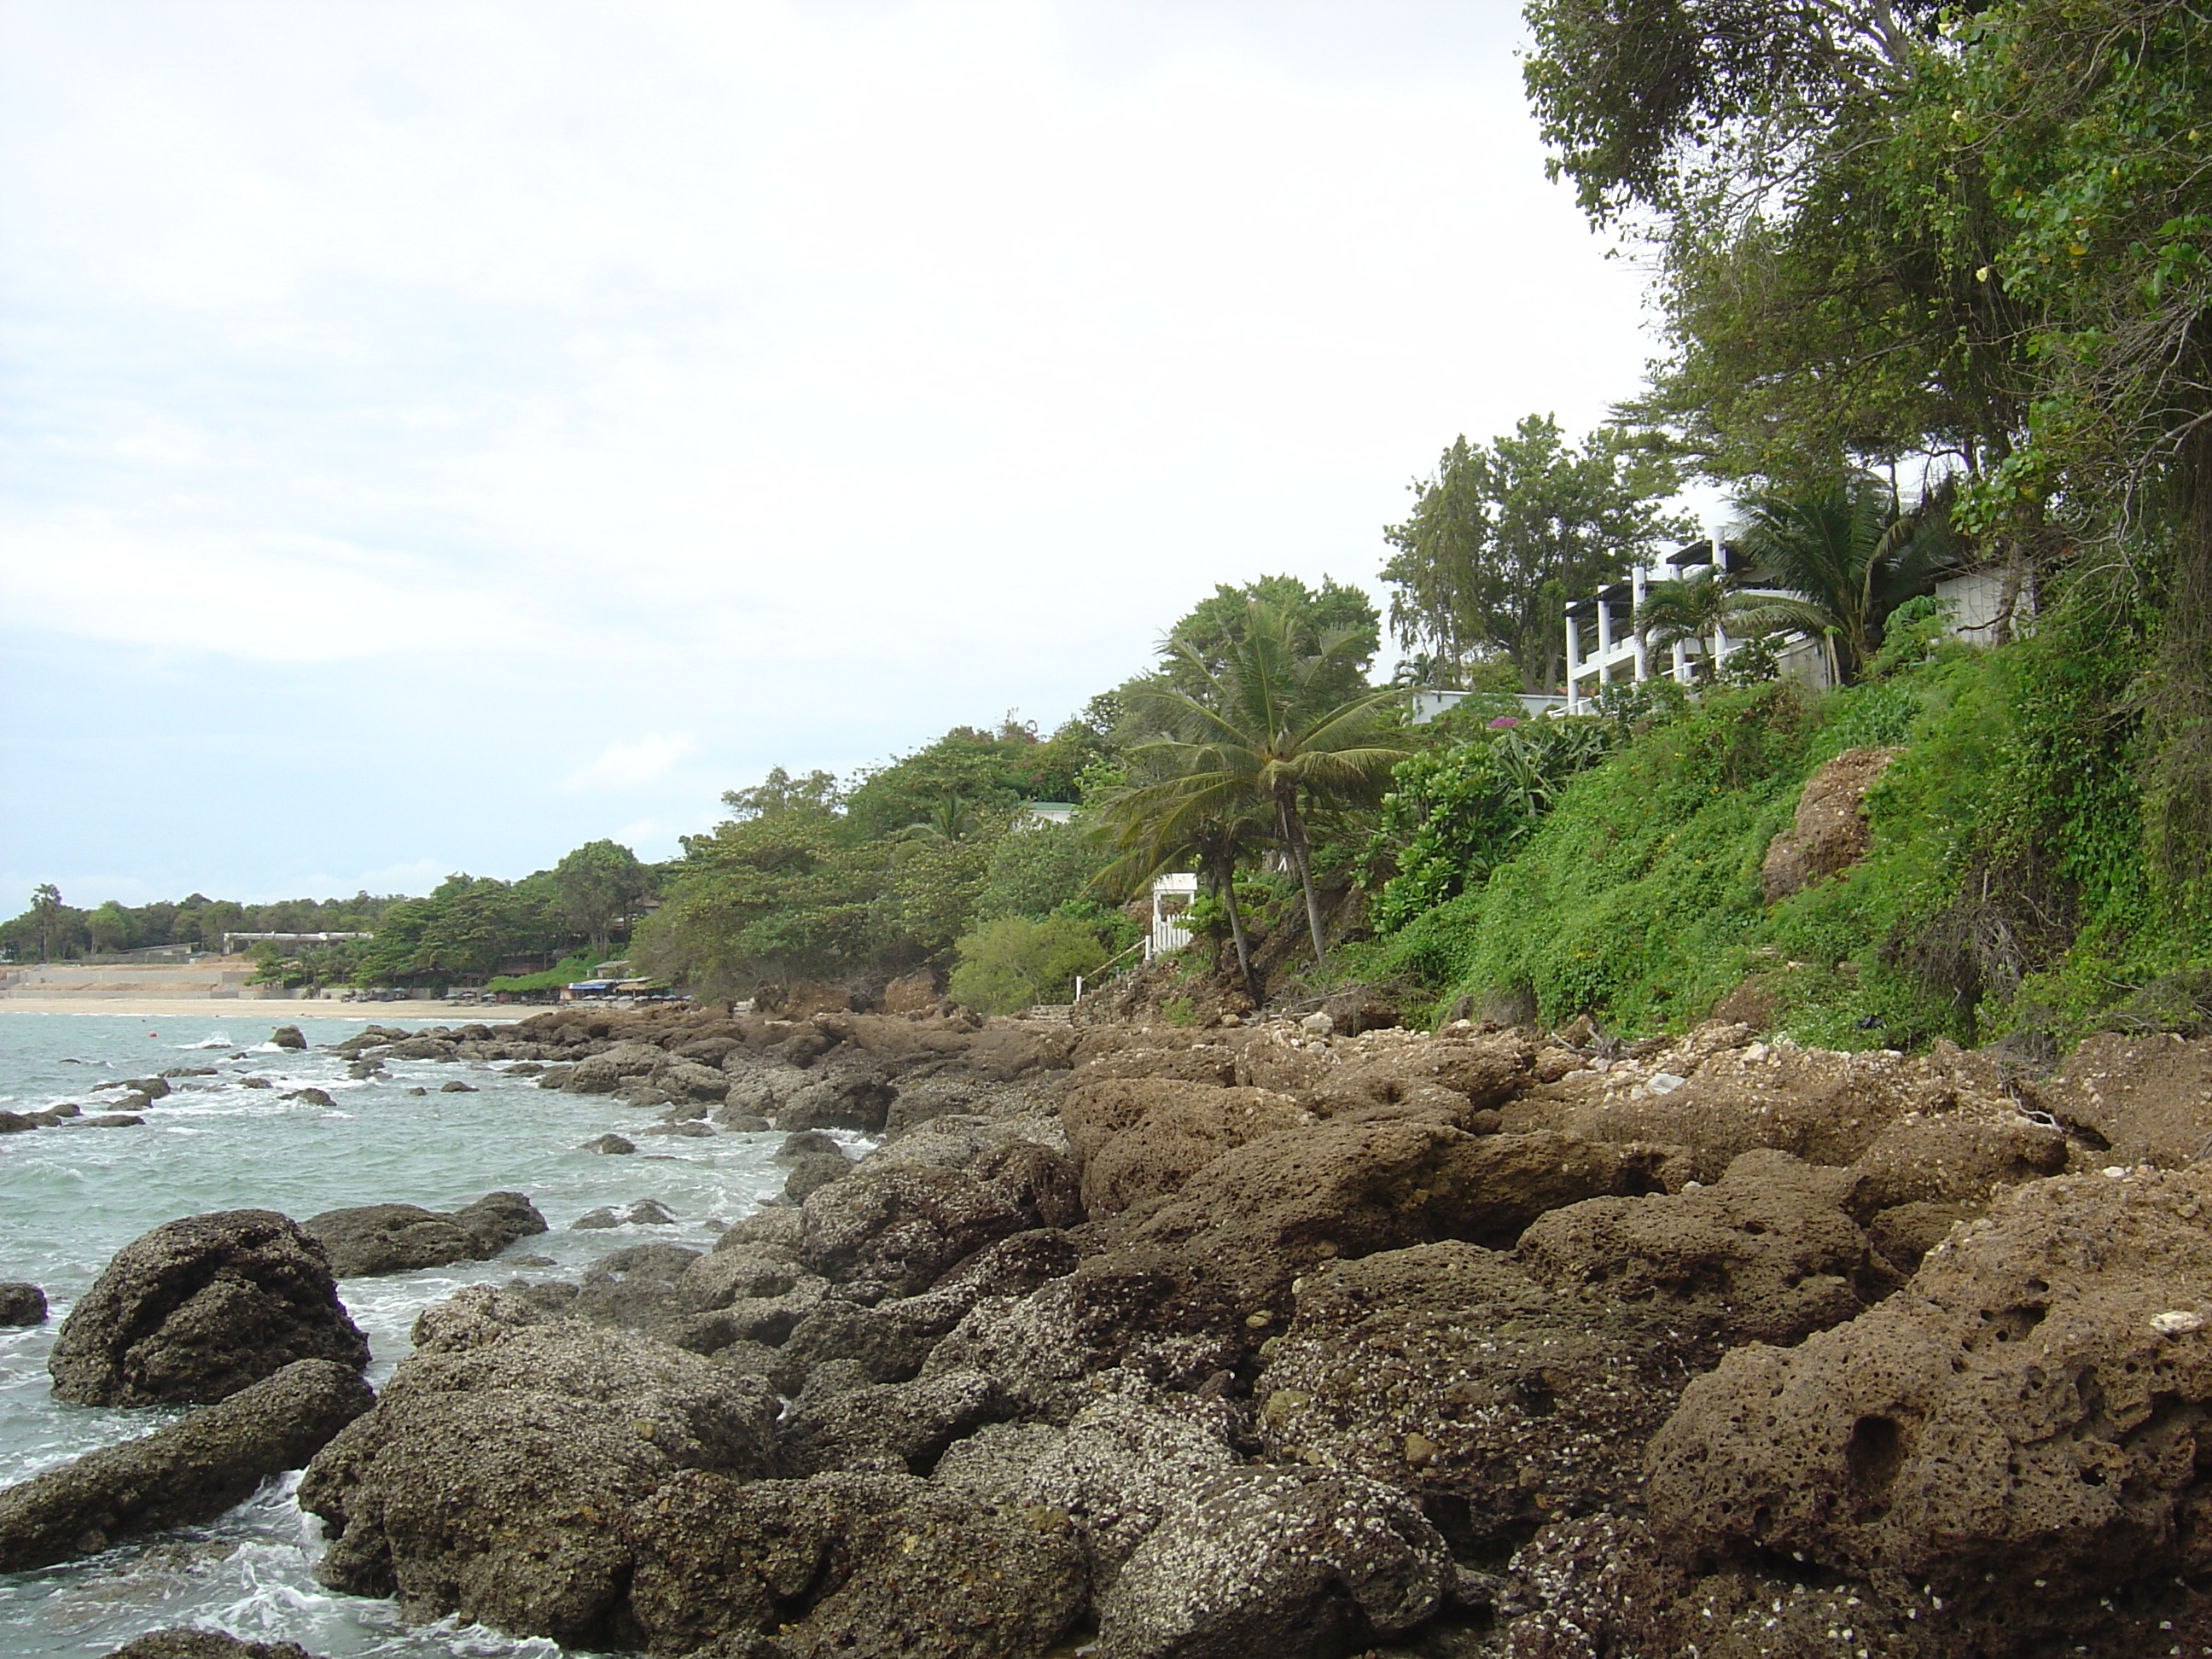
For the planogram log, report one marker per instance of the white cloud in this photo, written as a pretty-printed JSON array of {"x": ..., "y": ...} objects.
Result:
[
  {"x": 832, "y": 372},
  {"x": 632, "y": 765}
]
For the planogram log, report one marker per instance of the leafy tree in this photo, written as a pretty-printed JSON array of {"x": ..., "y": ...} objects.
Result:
[
  {"x": 968, "y": 770},
  {"x": 779, "y": 792},
  {"x": 458, "y": 933},
  {"x": 1162, "y": 823},
  {"x": 1454, "y": 814},
  {"x": 1267, "y": 732},
  {"x": 597, "y": 887},
  {"x": 109, "y": 927},
  {"x": 1505, "y": 534},
  {"x": 1035, "y": 868},
  {"x": 779, "y": 895},
  {"x": 1015, "y": 963},
  {"x": 46, "y": 905},
  {"x": 2088, "y": 118}
]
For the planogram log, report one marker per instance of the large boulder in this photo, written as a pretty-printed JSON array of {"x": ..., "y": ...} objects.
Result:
[
  {"x": 902, "y": 1225},
  {"x": 1260, "y": 1213},
  {"x": 200, "y": 1308},
  {"x": 898, "y": 1428},
  {"x": 2014, "y": 1433},
  {"x": 1829, "y": 832},
  {"x": 1295, "y": 1563},
  {"x": 1718, "y": 1097},
  {"x": 395, "y": 1238},
  {"x": 1140, "y": 1137},
  {"x": 191, "y": 1471},
  {"x": 850, "y": 1567},
  {"x": 500, "y": 1477},
  {"x": 1116, "y": 1469}
]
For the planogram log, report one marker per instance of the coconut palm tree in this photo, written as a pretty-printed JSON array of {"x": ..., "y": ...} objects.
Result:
[
  {"x": 1157, "y": 826},
  {"x": 1846, "y": 555},
  {"x": 1264, "y": 732}
]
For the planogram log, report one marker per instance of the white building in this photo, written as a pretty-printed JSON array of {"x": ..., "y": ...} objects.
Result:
[
  {"x": 1972, "y": 600},
  {"x": 1171, "y": 900}
]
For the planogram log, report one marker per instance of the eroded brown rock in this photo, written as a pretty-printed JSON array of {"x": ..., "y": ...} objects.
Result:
[{"x": 2015, "y": 1433}]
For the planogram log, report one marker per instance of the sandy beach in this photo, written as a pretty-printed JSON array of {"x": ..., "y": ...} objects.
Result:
[{"x": 274, "y": 1010}]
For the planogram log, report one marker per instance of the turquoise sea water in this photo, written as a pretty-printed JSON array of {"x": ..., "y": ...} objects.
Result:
[{"x": 70, "y": 1197}]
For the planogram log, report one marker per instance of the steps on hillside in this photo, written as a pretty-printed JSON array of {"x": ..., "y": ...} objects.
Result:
[{"x": 1052, "y": 1013}]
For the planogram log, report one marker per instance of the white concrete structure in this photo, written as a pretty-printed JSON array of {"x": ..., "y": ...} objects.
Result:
[
  {"x": 1973, "y": 599},
  {"x": 1171, "y": 898}
]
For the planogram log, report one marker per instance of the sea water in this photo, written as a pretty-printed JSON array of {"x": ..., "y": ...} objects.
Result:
[{"x": 70, "y": 1196}]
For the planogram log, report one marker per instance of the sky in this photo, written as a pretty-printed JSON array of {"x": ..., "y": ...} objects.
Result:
[{"x": 433, "y": 435}]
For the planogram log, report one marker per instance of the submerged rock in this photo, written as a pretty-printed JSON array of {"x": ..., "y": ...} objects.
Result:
[
  {"x": 189, "y": 1471},
  {"x": 200, "y": 1308},
  {"x": 23, "y": 1304},
  {"x": 394, "y": 1238},
  {"x": 180, "y": 1642}
]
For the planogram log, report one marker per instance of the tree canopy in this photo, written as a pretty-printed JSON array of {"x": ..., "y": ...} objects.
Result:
[{"x": 1505, "y": 534}]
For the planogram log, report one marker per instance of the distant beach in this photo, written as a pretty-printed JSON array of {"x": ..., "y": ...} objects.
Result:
[{"x": 276, "y": 1011}]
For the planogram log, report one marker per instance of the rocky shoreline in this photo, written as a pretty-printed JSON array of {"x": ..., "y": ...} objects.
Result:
[{"x": 1259, "y": 1339}]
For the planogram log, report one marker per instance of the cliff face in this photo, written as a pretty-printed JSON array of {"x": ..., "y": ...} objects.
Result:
[{"x": 1257, "y": 1340}]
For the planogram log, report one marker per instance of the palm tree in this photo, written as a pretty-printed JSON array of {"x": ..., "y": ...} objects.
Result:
[
  {"x": 1157, "y": 826},
  {"x": 1264, "y": 732},
  {"x": 1847, "y": 556}
]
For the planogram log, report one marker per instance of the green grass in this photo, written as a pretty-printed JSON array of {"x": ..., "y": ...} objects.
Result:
[{"x": 1638, "y": 898}]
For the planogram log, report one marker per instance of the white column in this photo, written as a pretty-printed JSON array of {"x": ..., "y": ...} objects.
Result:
[
  {"x": 1637, "y": 586},
  {"x": 1722, "y": 645},
  {"x": 1681, "y": 663},
  {"x": 1574, "y": 661},
  {"x": 1604, "y": 627}
]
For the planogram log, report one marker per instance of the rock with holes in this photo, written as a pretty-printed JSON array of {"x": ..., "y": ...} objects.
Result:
[
  {"x": 1140, "y": 1138},
  {"x": 2144, "y": 1099},
  {"x": 200, "y": 1308},
  {"x": 902, "y": 1225},
  {"x": 2015, "y": 1433},
  {"x": 897, "y": 1428},
  {"x": 1257, "y": 1215}
]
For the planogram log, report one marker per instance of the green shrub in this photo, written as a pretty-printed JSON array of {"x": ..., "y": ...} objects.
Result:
[{"x": 1014, "y": 964}]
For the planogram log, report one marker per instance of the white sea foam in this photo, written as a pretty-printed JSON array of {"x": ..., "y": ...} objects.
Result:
[{"x": 78, "y": 1195}]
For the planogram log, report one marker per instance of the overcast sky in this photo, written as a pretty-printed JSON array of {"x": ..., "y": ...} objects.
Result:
[{"x": 435, "y": 436}]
